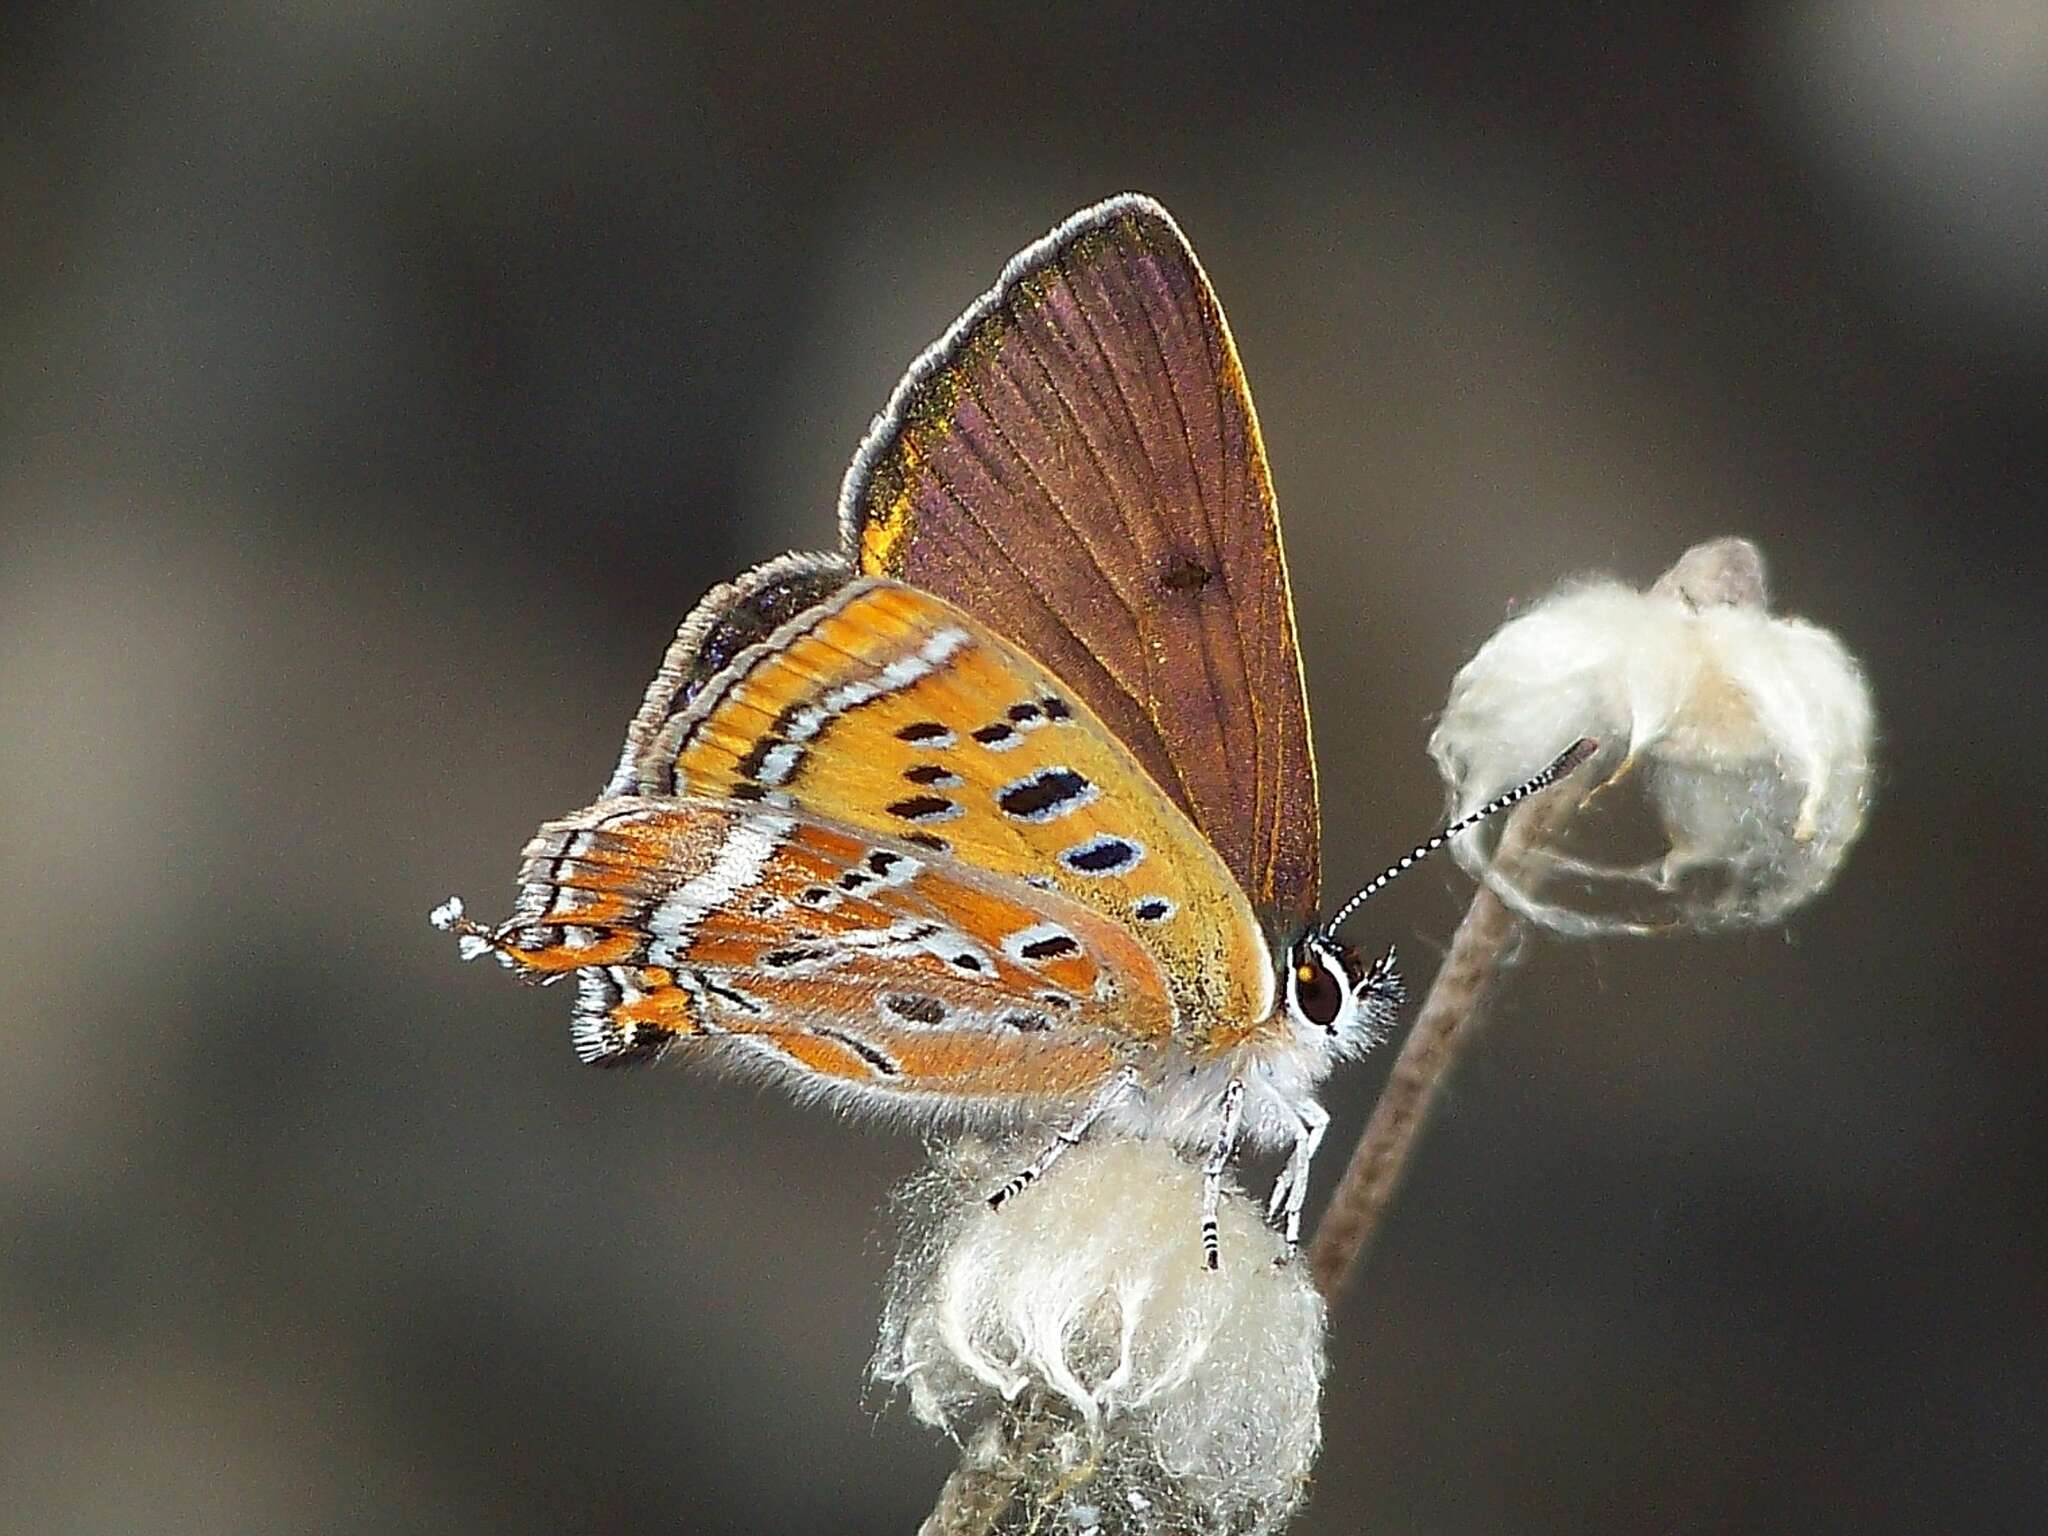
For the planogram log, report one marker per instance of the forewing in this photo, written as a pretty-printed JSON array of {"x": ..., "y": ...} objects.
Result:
[
  {"x": 852, "y": 960},
  {"x": 888, "y": 710},
  {"x": 1078, "y": 462}
]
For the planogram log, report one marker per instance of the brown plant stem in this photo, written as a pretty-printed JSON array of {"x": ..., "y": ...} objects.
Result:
[
  {"x": 995, "y": 1469},
  {"x": 979, "y": 1489},
  {"x": 1481, "y": 949}
]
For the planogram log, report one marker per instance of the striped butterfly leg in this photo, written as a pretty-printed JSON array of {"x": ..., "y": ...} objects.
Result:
[
  {"x": 1228, "y": 1123},
  {"x": 1123, "y": 1086},
  {"x": 1290, "y": 1190}
]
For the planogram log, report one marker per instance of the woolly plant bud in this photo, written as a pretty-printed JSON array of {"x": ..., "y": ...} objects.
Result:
[
  {"x": 1735, "y": 760},
  {"x": 1107, "y": 1379}
]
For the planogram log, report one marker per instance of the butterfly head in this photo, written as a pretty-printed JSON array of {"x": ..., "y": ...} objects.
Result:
[{"x": 1337, "y": 998}]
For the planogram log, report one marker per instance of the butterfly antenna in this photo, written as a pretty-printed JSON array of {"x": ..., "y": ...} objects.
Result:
[{"x": 1566, "y": 761}]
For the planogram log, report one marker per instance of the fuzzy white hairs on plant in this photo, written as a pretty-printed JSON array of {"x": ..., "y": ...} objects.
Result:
[
  {"x": 1169, "y": 1398},
  {"x": 1736, "y": 750}
]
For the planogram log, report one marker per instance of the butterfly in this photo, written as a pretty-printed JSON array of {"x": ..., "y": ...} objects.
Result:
[{"x": 1007, "y": 811}]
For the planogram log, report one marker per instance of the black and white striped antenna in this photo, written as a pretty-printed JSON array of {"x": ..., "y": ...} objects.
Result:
[{"x": 1566, "y": 761}]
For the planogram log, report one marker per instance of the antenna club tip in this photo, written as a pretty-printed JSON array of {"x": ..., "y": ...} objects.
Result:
[
  {"x": 448, "y": 915},
  {"x": 1575, "y": 755}
]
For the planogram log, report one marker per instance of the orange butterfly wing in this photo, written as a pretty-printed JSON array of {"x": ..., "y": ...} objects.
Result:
[
  {"x": 888, "y": 710},
  {"x": 855, "y": 962}
]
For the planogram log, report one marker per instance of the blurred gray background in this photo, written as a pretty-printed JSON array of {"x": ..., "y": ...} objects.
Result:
[{"x": 379, "y": 384}]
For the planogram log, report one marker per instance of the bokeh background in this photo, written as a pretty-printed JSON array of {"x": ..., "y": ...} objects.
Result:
[{"x": 379, "y": 384}]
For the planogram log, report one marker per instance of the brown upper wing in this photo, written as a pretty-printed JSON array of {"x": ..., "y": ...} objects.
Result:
[{"x": 1077, "y": 463}]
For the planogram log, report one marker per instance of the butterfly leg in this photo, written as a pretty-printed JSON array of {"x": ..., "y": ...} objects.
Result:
[
  {"x": 1212, "y": 1171},
  {"x": 1290, "y": 1190},
  {"x": 1121, "y": 1087}
]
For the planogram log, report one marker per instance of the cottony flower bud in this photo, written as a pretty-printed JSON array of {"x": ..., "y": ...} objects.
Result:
[
  {"x": 1735, "y": 760},
  {"x": 1138, "y": 1390}
]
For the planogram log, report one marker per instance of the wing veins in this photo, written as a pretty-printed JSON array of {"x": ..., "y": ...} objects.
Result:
[
  {"x": 1149, "y": 704},
  {"x": 1261, "y": 798},
  {"x": 1185, "y": 793},
  {"x": 1213, "y": 540}
]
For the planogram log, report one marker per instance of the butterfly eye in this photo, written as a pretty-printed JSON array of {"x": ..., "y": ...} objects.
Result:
[{"x": 1318, "y": 994}]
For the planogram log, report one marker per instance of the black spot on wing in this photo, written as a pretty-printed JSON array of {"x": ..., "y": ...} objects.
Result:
[
  {"x": 1102, "y": 856},
  {"x": 1045, "y": 794},
  {"x": 924, "y": 808},
  {"x": 1051, "y": 947},
  {"x": 915, "y": 1008},
  {"x": 924, "y": 732}
]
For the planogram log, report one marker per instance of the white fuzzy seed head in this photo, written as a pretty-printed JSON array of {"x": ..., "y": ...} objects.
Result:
[
  {"x": 1735, "y": 760},
  {"x": 1180, "y": 1399}
]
